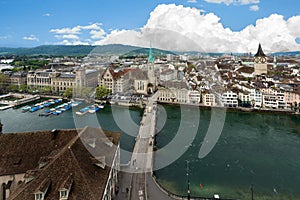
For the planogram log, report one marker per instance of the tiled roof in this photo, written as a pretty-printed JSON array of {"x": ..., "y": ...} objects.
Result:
[{"x": 73, "y": 159}]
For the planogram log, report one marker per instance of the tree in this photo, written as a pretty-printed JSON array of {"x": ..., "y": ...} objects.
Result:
[
  {"x": 4, "y": 82},
  {"x": 68, "y": 93},
  {"x": 102, "y": 91},
  {"x": 45, "y": 90},
  {"x": 87, "y": 92},
  {"x": 23, "y": 88},
  {"x": 12, "y": 88}
]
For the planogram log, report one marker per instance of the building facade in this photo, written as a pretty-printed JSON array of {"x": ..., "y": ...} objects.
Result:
[
  {"x": 230, "y": 99},
  {"x": 208, "y": 99}
]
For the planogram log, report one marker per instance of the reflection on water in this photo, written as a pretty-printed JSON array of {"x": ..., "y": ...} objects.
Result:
[{"x": 254, "y": 148}]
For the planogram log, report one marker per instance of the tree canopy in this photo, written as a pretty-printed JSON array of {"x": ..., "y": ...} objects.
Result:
[{"x": 102, "y": 91}]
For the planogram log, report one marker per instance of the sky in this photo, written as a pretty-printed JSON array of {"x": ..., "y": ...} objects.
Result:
[{"x": 186, "y": 25}]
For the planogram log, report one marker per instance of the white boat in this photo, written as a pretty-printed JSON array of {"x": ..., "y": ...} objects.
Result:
[
  {"x": 95, "y": 108},
  {"x": 83, "y": 111},
  {"x": 26, "y": 108}
]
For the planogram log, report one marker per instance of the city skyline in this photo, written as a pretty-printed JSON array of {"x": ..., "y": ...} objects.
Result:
[{"x": 206, "y": 25}]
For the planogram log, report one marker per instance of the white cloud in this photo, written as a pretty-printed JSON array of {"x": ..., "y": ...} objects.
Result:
[
  {"x": 254, "y": 8},
  {"x": 236, "y": 2},
  {"x": 47, "y": 15},
  {"x": 71, "y": 35},
  {"x": 31, "y": 38},
  {"x": 183, "y": 28},
  {"x": 73, "y": 31},
  {"x": 192, "y": 1},
  {"x": 97, "y": 34},
  {"x": 95, "y": 26},
  {"x": 72, "y": 42}
]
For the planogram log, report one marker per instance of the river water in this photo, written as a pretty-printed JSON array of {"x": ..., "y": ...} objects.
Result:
[
  {"x": 14, "y": 120},
  {"x": 254, "y": 148}
]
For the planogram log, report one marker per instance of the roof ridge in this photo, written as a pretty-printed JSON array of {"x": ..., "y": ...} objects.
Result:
[{"x": 81, "y": 173}]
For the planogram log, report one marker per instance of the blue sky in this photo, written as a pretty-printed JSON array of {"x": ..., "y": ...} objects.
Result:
[{"x": 26, "y": 23}]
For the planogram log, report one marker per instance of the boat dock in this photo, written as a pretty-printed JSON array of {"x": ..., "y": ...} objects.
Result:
[{"x": 14, "y": 99}]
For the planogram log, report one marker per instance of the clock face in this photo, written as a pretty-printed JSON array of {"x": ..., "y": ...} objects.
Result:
[
  {"x": 256, "y": 60},
  {"x": 262, "y": 59}
]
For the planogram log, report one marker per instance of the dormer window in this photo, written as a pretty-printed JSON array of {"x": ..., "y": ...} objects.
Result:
[
  {"x": 99, "y": 161},
  {"x": 65, "y": 188},
  {"x": 91, "y": 142},
  {"x": 39, "y": 196},
  {"x": 41, "y": 191},
  {"x": 63, "y": 194}
]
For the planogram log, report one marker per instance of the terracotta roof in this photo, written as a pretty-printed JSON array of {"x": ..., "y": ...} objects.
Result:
[
  {"x": 67, "y": 184},
  {"x": 22, "y": 152},
  {"x": 248, "y": 70},
  {"x": 88, "y": 181},
  {"x": 43, "y": 186},
  {"x": 115, "y": 75}
]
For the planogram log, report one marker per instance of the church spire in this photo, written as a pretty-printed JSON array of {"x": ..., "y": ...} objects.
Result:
[
  {"x": 150, "y": 57},
  {"x": 260, "y": 52}
]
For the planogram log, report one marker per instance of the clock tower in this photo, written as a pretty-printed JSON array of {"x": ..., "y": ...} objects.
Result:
[{"x": 260, "y": 62}]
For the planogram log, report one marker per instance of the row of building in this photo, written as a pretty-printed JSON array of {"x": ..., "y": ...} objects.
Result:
[{"x": 223, "y": 81}]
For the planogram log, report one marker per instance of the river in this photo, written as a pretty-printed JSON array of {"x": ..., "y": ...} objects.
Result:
[{"x": 254, "y": 148}]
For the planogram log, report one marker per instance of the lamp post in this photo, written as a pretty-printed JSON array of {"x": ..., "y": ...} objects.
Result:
[
  {"x": 188, "y": 180},
  {"x": 251, "y": 188}
]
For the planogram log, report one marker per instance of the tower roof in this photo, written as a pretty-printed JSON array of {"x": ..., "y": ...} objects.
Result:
[
  {"x": 150, "y": 58},
  {"x": 260, "y": 52}
]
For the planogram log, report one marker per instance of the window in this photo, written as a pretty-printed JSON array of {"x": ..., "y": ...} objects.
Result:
[
  {"x": 39, "y": 196},
  {"x": 63, "y": 194}
]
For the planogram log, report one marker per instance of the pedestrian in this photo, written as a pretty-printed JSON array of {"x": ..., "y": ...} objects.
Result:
[{"x": 127, "y": 190}]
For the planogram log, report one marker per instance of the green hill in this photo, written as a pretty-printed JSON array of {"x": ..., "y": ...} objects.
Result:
[
  {"x": 68, "y": 50},
  {"x": 143, "y": 52}
]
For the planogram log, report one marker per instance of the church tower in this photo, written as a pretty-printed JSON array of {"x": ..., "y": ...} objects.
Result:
[
  {"x": 260, "y": 62},
  {"x": 275, "y": 62},
  {"x": 151, "y": 74}
]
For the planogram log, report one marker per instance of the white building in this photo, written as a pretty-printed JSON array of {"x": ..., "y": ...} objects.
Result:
[
  {"x": 256, "y": 98},
  {"x": 178, "y": 92},
  {"x": 208, "y": 99},
  {"x": 116, "y": 81},
  {"x": 274, "y": 99},
  {"x": 230, "y": 99},
  {"x": 244, "y": 98},
  {"x": 194, "y": 97},
  {"x": 168, "y": 75}
]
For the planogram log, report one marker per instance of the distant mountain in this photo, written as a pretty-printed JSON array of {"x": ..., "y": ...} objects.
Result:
[
  {"x": 145, "y": 52},
  {"x": 292, "y": 53},
  {"x": 115, "y": 49},
  {"x": 68, "y": 50}
]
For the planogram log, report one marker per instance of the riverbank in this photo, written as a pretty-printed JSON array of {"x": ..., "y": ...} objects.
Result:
[{"x": 239, "y": 109}]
